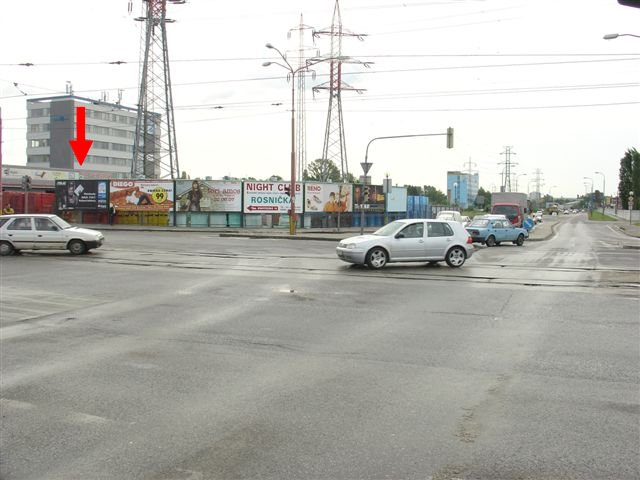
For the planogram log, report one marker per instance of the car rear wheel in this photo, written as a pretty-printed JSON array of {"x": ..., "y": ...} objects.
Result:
[
  {"x": 456, "y": 257},
  {"x": 377, "y": 258},
  {"x": 491, "y": 241},
  {"x": 77, "y": 247},
  {"x": 6, "y": 248},
  {"x": 520, "y": 240}
]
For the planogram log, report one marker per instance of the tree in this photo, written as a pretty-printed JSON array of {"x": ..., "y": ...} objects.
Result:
[
  {"x": 629, "y": 179},
  {"x": 486, "y": 194},
  {"x": 436, "y": 197},
  {"x": 414, "y": 190},
  {"x": 322, "y": 170}
]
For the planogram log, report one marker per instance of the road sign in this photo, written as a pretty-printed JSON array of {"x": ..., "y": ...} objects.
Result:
[{"x": 366, "y": 166}]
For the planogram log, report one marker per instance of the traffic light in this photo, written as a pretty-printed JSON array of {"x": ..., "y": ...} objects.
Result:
[
  {"x": 365, "y": 198},
  {"x": 287, "y": 190},
  {"x": 26, "y": 182},
  {"x": 450, "y": 137}
]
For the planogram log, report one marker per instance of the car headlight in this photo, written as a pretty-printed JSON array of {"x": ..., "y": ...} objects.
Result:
[{"x": 349, "y": 246}]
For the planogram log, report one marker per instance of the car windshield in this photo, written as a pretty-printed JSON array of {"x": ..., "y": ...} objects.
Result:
[
  {"x": 482, "y": 222},
  {"x": 389, "y": 229},
  {"x": 60, "y": 222},
  {"x": 509, "y": 210}
]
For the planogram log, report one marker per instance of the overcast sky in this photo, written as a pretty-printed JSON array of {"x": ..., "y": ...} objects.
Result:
[{"x": 533, "y": 75}]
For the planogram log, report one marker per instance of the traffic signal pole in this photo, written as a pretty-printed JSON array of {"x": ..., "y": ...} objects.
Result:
[{"x": 366, "y": 165}]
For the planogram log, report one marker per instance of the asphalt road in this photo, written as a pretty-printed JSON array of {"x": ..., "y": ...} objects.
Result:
[{"x": 190, "y": 356}]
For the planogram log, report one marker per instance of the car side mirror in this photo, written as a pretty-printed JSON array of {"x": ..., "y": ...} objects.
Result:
[
  {"x": 400, "y": 235},
  {"x": 54, "y": 228}
]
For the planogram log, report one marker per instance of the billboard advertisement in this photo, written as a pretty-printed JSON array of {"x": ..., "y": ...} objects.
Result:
[
  {"x": 142, "y": 195},
  {"x": 327, "y": 198},
  {"x": 373, "y": 202},
  {"x": 82, "y": 195},
  {"x": 208, "y": 196},
  {"x": 270, "y": 197}
]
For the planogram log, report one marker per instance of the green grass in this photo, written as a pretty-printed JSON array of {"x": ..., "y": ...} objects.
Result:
[{"x": 597, "y": 215}]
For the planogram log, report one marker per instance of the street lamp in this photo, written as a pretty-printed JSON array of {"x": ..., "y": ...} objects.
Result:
[
  {"x": 455, "y": 193},
  {"x": 517, "y": 176},
  {"x": 292, "y": 73},
  {"x": 603, "y": 182},
  {"x": 611, "y": 36}
]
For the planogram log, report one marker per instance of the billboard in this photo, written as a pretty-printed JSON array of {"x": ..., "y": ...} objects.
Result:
[
  {"x": 327, "y": 198},
  {"x": 208, "y": 196},
  {"x": 82, "y": 195},
  {"x": 374, "y": 202},
  {"x": 270, "y": 197},
  {"x": 142, "y": 195}
]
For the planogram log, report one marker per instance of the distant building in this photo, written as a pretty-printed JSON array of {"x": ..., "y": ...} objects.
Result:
[
  {"x": 51, "y": 123},
  {"x": 462, "y": 188}
]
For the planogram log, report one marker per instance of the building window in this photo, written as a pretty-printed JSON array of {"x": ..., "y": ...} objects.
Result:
[
  {"x": 38, "y": 112},
  {"x": 39, "y": 143}
]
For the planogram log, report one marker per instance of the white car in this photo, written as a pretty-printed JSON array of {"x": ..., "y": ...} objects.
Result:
[
  {"x": 45, "y": 232},
  {"x": 409, "y": 240},
  {"x": 449, "y": 215}
]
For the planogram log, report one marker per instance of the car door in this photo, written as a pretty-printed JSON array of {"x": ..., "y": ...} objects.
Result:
[
  {"x": 500, "y": 228},
  {"x": 48, "y": 236},
  {"x": 439, "y": 237},
  {"x": 408, "y": 243},
  {"x": 20, "y": 233}
]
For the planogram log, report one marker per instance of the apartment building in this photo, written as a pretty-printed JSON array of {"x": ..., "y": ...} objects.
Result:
[{"x": 51, "y": 123}]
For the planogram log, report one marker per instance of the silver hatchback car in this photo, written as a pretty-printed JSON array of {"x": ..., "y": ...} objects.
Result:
[
  {"x": 409, "y": 240},
  {"x": 45, "y": 232}
]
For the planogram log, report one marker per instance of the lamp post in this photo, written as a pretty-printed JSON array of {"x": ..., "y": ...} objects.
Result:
[
  {"x": 611, "y": 36},
  {"x": 518, "y": 176},
  {"x": 292, "y": 72},
  {"x": 455, "y": 193},
  {"x": 603, "y": 186}
]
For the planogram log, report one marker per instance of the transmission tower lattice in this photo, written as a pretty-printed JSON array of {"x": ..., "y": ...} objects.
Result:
[
  {"x": 334, "y": 140},
  {"x": 155, "y": 154},
  {"x": 506, "y": 172},
  {"x": 301, "y": 124}
]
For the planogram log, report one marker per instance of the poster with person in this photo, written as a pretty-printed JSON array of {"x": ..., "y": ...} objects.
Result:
[
  {"x": 327, "y": 198},
  {"x": 208, "y": 196},
  {"x": 142, "y": 195},
  {"x": 82, "y": 195}
]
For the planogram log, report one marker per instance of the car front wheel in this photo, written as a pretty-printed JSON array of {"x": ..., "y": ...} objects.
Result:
[
  {"x": 77, "y": 247},
  {"x": 520, "y": 240},
  {"x": 6, "y": 248},
  {"x": 456, "y": 257},
  {"x": 377, "y": 258}
]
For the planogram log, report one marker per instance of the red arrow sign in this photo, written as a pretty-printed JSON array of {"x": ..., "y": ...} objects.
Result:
[{"x": 81, "y": 145}]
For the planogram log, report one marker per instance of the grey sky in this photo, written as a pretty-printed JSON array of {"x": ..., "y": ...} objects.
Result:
[{"x": 534, "y": 75}]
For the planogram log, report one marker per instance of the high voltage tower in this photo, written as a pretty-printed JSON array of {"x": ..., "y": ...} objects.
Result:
[
  {"x": 537, "y": 180},
  {"x": 334, "y": 147},
  {"x": 155, "y": 153},
  {"x": 301, "y": 130},
  {"x": 506, "y": 171}
]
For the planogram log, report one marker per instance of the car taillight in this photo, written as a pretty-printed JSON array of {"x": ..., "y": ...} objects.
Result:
[{"x": 469, "y": 240}]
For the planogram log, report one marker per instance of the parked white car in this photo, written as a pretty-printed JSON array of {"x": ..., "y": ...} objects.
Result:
[
  {"x": 449, "y": 215},
  {"x": 45, "y": 232},
  {"x": 409, "y": 240}
]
